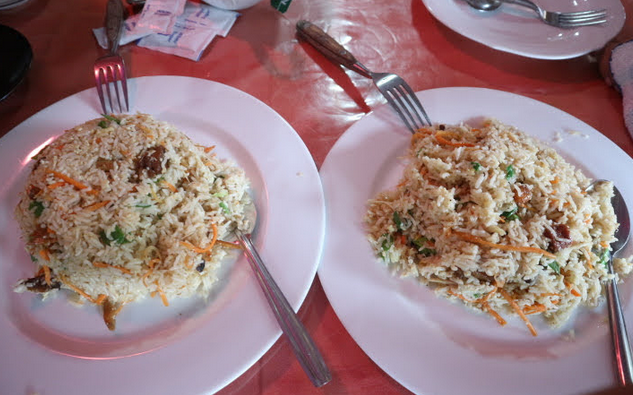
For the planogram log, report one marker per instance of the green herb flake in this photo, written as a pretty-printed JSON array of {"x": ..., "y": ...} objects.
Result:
[
  {"x": 554, "y": 266},
  {"x": 476, "y": 165},
  {"x": 397, "y": 220},
  {"x": 225, "y": 208},
  {"x": 159, "y": 216},
  {"x": 111, "y": 118},
  {"x": 119, "y": 236},
  {"x": 33, "y": 258},
  {"x": 103, "y": 124},
  {"x": 387, "y": 242},
  {"x": 510, "y": 172},
  {"x": 420, "y": 241},
  {"x": 38, "y": 206},
  {"x": 221, "y": 194},
  {"x": 477, "y": 295},
  {"x": 428, "y": 252},
  {"x": 143, "y": 205},
  {"x": 104, "y": 238},
  {"x": 158, "y": 181},
  {"x": 604, "y": 257},
  {"x": 511, "y": 215}
]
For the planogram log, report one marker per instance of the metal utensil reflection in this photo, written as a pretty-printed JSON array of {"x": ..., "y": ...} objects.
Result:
[{"x": 302, "y": 344}]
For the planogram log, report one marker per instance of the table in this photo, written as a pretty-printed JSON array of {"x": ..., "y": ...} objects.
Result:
[{"x": 261, "y": 56}]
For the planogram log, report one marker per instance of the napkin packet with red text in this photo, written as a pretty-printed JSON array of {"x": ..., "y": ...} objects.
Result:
[{"x": 175, "y": 27}]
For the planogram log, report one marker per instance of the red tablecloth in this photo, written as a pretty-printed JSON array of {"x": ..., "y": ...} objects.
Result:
[{"x": 261, "y": 56}]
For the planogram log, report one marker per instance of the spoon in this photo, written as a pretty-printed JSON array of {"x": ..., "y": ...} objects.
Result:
[
  {"x": 621, "y": 346},
  {"x": 484, "y": 5},
  {"x": 302, "y": 344}
]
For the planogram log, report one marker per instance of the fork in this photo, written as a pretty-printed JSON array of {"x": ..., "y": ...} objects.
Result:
[
  {"x": 109, "y": 70},
  {"x": 397, "y": 92},
  {"x": 564, "y": 19}
]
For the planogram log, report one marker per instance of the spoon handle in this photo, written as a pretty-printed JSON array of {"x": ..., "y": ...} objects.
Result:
[
  {"x": 302, "y": 344},
  {"x": 329, "y": 47},
  {"x": 621, "y": 346}
]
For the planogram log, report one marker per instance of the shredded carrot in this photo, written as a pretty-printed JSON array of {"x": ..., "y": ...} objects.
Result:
[
  {"x": 549, "y": 294},
  {"x": 462, "y": 297},
  {"x": 203, "y": 250},
  {"x": 479, "y": 240},
  {"x": 575, "y": 293},
  {"x": 604, "y": 244},
  {"x": 209, "y": 149},
  {"x": 162, "y": 294},
  {"x": 100, "y": 299},
  {"x": 44, "y": 255},
  {"x": 533, "y": 309},
  {"x": 572, "y": 289},
  {"x": 493, "y": 313},
  {"x": 104, "y": 265},
  {"x": 75, "y": 288},
  {"x": 96, "y": 206},
  {"x": 555, "y": 180},
  {"x": 147, "y": 131},
  {"x": 188, "y": 263},
  {"x": 518, "y": 310},
  {"x": 93, "y": 192},
  {"x": 442, "y": 140},
  {"x": 56, "y": 184},
  {"x": 170, "y": 186},
  {"x": 147, "y": 274},
  {"x": 152, "y": 294},
  {"x": 47, "y": 274},
  {"x": 486, "y": 298},
  {"x": 69, "y": 180}
]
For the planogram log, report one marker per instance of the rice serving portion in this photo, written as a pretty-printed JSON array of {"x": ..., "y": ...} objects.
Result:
[
  {"x": 117, "y": 209},
  {"x": 490, "y": 217}
]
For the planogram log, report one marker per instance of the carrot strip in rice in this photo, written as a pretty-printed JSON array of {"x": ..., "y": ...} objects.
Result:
[
  {"x": 518, "y": 310},
  {"x": 69, "y": 180},
  {"x": 493, "y": 313},
  {"x": 479, "y": 240}
]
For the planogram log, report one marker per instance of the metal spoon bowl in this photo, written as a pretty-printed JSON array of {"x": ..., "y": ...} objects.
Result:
[
  {"x": 484, "y": 5},
  {"x": 619, "y": 335}
]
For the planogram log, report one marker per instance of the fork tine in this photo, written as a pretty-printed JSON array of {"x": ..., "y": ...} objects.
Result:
[
  {"x": 571, "y": 25},
  {"x": 584, "y": 13},
  {"x": 404, "y": 111},
  {"x": 115, "y": 82},
  {"x": 390, "y": 99},
  {"x": 98, "y": 81},
  {"x": 582, "y": 17},
  {"x": 109, "y": 79},
  {"x": 416, "y": 105},
  {"x": 124, "y": 84}
]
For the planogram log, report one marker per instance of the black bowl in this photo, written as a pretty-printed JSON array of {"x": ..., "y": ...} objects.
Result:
[{"x": 16, "y": 55}]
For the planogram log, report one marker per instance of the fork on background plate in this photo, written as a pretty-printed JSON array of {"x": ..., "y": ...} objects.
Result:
[
  {"x": 109, "y": 70},
  {"x": 397, "y": 92},
  {"x": 565, "y": 20}
]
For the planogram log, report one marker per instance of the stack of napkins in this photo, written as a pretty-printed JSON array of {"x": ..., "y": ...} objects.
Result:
[{"x": 176, "y": 27}]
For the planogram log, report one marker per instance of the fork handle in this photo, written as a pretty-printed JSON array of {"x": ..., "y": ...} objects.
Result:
[
  {"x": 329, "y": 47},
  {"x": 115, "y": 14}
]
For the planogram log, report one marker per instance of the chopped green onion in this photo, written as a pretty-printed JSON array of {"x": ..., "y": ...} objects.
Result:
[
  {"x": 477, "y": 295},
  {"x": 118, "y": 236},
  {"x": 33, "y": 259},
  {"x": 104, "y": 238},
  {"x": 103, "y": 124},
  {"x": 476, "y": 166},
  {"x": 554, "y": 266},
  {"x": 111, "y": 118},
  {"x": 158, "y": 181},
  {"x": 387, "y": 242},
  {"x": 509, "y": 172},
  {"x": 225, "y": 208},
  {"x": 143, "y": 205},
  {"x": 38, "y": 206}
]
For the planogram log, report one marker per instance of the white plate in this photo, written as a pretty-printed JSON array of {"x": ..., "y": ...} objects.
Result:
[
  {"x": 517, "y": 30},
  {"x": 190, "y": 347},
  {"x": 428, "y": 344}
]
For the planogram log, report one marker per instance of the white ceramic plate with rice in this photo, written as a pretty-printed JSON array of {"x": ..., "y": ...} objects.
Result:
[
  {"x": 516, "y": 29},
  {"x": 191, "y": 346},
  {"x": 429, "y": 344}
]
